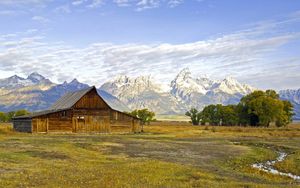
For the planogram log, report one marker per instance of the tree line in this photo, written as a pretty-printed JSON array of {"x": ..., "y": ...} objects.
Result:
[
  {"x": 259, "y": 108},
  {"x": 7, "y": 116}
]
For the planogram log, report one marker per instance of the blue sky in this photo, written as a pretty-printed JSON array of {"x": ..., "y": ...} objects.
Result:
[{"x": 255, "y": 41}]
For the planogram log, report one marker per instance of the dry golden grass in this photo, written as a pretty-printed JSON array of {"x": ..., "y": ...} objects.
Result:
[
  {"x": 186, "y": 129},
  {"x": 168, "y": 154}
]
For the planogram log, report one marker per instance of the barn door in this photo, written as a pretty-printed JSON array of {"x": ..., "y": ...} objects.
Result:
[
  {"x": 91, "y": 124},
  {"x": 42, "y": 125},
  {"x": 81, "y": 125},
  {"x": 99, "y": 124}
]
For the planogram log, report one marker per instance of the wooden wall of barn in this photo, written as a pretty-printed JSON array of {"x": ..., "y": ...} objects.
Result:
[
  {"x": 101, "y": 121},
  {"x": 55, "y": 122},
  {"x": 121, "y": 122},
  {"x": 91, "y": 101},
  {"x": 22, "y": 125}
]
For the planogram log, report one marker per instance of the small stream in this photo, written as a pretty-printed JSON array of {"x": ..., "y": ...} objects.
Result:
[{"x": 269, "y": 166}]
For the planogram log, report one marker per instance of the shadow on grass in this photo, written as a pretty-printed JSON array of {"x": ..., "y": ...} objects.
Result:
[{"x": 46, "y": 154}]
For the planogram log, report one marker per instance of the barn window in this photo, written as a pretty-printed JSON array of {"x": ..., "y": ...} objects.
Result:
[
  {"x": 80, "y": 119},
  {"x": 63, "y": 114}
]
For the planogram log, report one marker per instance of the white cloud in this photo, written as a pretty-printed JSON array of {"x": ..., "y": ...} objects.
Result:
[
  {"x": 234, "y": 54},
  {"x": 175, "y": 3},
  {"x": 78, "y": 2},
  {"x": 20, "y": 4},
  {"x": 147, "y": 4},
  {"x": 243, "y": 54},
  {"x": 21, "y": 7},
  {"x": 123, "y": 3},
  {"x": 63, "y": 9},
  {"x": 95, "y": 3},
  {"x": 8, "y": 12},
  {"x": 40, "y": 19}
]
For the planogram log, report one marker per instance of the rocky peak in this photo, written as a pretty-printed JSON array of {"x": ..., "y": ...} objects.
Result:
[
  {"x": 205, "y": 81},
  {"x": 230, "y": 85},
  {"x": 13, "y": 82},
  {"x": 35, "y": 76},
  {"x": 74, "y": 81},
  {"x": 184, "y": 74},
  {"x": 291, "y": 95},
  {"x": 230, "y": 81},
  {"x": 16, "y": 77}
]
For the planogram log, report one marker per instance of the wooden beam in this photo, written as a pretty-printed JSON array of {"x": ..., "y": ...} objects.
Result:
[{"x": 47, "y": 125}]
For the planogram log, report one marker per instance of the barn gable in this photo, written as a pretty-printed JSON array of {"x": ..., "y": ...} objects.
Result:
[
  {"x": 91, "y": 100},
  {"x": 70, "y": 99}
]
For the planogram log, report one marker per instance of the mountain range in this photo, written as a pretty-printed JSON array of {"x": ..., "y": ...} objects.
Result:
[
  {"x": 293, "y": 96},
  {"x": 36, "y": 93}
]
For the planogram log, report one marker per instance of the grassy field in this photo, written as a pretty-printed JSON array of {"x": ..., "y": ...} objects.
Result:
[
  {"x": 173, "y": 118},
  {"x": 166, "y": 155}
]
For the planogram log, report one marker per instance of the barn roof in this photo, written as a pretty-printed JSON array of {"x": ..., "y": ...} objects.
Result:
[
  {"x": 68, "y": 101},
  {"x": 35, "y": 114}
]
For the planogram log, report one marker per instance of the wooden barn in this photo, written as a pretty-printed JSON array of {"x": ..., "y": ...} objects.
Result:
[{"x": 80, "y": 111}]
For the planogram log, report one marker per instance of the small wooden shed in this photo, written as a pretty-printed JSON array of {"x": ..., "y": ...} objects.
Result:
[{"x": 80, "y": 111}]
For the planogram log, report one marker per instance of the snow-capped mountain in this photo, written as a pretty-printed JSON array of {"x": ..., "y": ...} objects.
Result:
[
  {"x": 231, "y": 86},
  {"x": 184, "y": 85},
  {"x": 38, "y": 93},
  {"x": 36, "y": 78},
  {"x": 15, "y": 81},
  {"x": 143, "y": 92},
  {"x": 124, "y": 87},
  {"x": 184, "y": 92},
  {"x": 201, "y": 91},
  {"x": 293, "y": 96}
]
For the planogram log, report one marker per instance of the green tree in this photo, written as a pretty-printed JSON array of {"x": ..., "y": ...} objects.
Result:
[
  {"x": 10, "y": 115},
  {"x": 3, "y": 117},
  {"x": 286, "y": 114},
  {"x": 272, "y": 94},
  {"x": 267, "y": 109},
  {"x": 229, "y": 115},
  {"x": 219, "y": 115},
  {"x": 242, "y": 114},
  {"x": 212, "y": 114},
  {"x": 261, "y": 108},
  {"x": 21, "y": 113},
  {"x": 144, "y": 115},
  {"x": 258, "y": 108},
  {"x": 194, "y": 115},
  {"x": 7, "y": 117}
]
